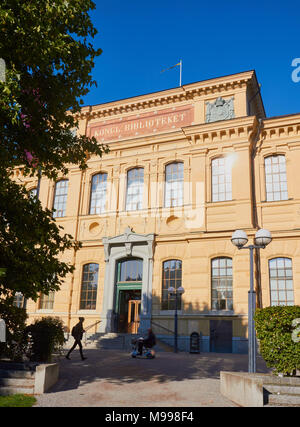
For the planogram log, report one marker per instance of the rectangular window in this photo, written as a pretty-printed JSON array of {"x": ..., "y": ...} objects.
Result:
[
  {"x": 281, "y": 281},
  {"x": 47, "y": 301},
  {"x": 19, "y": 300},
  {"x": 135, "y": 187},
  {"x": 174, "y": 185},
  {"x": 222, "y": 295},
  {"x": 276, "y": 181},
  {"x": 98, "y": 193},
  {"x": 172, "y": 277},
  {"x": 89, "y": 287},
  {"x": 221, "y": 179},
  {"x": 60, "y": 198}
]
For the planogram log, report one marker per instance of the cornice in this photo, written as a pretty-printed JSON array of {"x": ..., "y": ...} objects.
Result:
[
  {"x": 239, "y": 129},
  {"x": 184, "y": 93},
  {"x": 282, "y": 127}
]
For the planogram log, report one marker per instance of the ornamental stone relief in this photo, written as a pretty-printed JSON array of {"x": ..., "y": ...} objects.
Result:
[{"x": 219, "y": 110}]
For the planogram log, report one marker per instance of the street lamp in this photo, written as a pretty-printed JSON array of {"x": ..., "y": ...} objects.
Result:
[
  {"x": 262, "y": 239},
  {"x": 175, "y": 292}
]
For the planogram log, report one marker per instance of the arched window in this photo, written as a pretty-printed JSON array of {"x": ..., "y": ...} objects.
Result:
[
  {"x": 89, "y": 285},
  {"x": 221, "y": 179},
  {"x": 135, "y": 187},
  {"x": 174, "y": 185},
  {"x": 60, "y": 198},
  {"x": 281, "y": 281},
  {"x": 172, "y": 276},
  {"x": 275, "y": 175},
  {"x": 221, "y": 286},
  {"x": 130, "y": 270},
  {"x": 98, "y": 193}
]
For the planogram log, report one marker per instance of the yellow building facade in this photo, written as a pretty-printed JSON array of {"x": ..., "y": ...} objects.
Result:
[{"x": 186, "y": 168}]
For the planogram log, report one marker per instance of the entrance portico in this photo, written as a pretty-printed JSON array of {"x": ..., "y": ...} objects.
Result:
[{"x": 119, "y": 297}]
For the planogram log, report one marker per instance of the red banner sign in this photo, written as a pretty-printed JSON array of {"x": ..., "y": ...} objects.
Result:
[{"x": 143, "y": 124}]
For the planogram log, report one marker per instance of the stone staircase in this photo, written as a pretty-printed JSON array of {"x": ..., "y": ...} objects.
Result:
[
  {"x": 282, "y": 391},
  {"x": 113, "y": 341},
  {"x": 13, "y": 381}
]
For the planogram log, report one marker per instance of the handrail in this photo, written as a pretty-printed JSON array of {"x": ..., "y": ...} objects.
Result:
[
  {"x": 162, "y": 327},
  {"x": 89, "y": 327}
]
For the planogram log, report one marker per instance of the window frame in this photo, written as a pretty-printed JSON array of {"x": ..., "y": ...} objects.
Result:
[
  {"x": 224, "y": 176},
  {"x": 64, "y": 196},
  {"x": 225, "y": 277},
  {"x": 281, "y": 278},
  {"x": 274, "y": 178},
  {"x": 46, "y": 302},
  {"x": 174, "y": 184},
  {"x": 85, "y": 290},
  {"x": 167, "y": 302},
  {"x": 103, "y": 202},
  {"x": 135, "y": 184}
]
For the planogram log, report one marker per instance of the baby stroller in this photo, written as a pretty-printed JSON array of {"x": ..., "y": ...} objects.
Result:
[{"x": 139, "y": 350}]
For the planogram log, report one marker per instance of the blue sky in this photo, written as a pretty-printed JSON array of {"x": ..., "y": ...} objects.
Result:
[{"x": 213, "y": 38}]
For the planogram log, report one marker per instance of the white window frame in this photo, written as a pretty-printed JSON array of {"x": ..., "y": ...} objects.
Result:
[
  {"x": 221, "y": 179},
  {"x": 276, "y": 178}
]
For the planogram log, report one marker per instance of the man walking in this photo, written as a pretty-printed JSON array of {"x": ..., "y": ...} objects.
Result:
[{"x": 77, "y": 333}]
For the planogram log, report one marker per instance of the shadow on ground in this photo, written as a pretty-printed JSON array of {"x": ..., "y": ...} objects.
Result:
[{"x": 119, "y": 368}]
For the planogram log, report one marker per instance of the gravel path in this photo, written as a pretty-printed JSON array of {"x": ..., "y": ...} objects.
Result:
[{"x": 113, "y": 379}]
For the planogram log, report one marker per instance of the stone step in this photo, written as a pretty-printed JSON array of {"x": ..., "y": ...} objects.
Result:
[
  {"x": 114, "y": 341},
  {"x": 18, "y": 366},
  {"x": 162, "y": 346},
  {"x": 283, "y": 400},
  {"x": 6, "y": 391},
  {"x": 7, "y": 373},
  {"x": 283, "y": 389},
  {"x": 17, "y": 382},
  {"x": 282, "y": 380}
]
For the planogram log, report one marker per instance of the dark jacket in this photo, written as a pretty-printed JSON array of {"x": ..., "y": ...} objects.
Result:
[
  {"x": 77, "y": 331},
  {"x": 150, "y": 341}
]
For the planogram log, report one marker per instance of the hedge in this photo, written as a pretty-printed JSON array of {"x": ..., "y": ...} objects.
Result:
[{"x": 278, "y": 334}]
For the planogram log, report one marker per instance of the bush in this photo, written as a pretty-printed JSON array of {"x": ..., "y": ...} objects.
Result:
[
  {"x": 16, "y": 340},
  {"x": 47, "y": 337},
  {"x": 274, "y": 330}
]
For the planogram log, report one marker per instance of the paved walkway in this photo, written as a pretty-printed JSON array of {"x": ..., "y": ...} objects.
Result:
[{"x": 112, "y": 378}]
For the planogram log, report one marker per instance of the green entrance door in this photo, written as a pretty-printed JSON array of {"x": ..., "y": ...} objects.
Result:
[{"x": 128, "y": 295}]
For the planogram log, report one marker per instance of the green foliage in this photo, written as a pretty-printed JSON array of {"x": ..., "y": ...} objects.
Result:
[
  {"x": 274, "y": 330},
  {"x": 46, "y": 46},
  {"x": 47, "y": 337},
  {"x": 49, "y": 58},
  {"x": 30, "y": 244},
  {"x": 16, "y": 341}
]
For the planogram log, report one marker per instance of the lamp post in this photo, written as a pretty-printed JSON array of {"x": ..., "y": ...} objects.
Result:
[
  {"x": 175, "y": 292},
  {"x": 262, "y": 239}
]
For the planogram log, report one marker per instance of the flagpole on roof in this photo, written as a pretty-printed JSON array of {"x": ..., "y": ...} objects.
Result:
[
  {"x": 180, "y": 72},
  {"x": 180, "y": 76}
]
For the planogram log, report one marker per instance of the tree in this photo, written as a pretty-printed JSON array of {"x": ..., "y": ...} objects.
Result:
[
  {"x": 30, "y": 244},
  {"x": 48, "y": 61}
]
